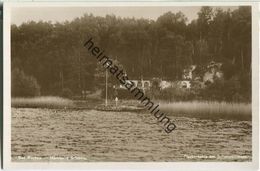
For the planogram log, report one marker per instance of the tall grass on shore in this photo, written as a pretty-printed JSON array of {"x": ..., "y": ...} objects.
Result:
[
  {"x": 209, "y": 110},
  {"x": 41, "y": 102}
]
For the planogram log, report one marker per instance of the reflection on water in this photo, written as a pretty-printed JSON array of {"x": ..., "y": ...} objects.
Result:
[{"x": 89, "y": 135}]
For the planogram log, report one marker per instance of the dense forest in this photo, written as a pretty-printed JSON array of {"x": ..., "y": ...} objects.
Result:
[{"x": 53, "y": 55}]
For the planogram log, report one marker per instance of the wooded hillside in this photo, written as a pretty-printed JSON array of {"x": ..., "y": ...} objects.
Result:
[{"x": 53, "y": 53}]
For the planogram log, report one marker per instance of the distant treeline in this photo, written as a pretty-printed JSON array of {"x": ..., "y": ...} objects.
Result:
[{"x": 53, "y": 53}]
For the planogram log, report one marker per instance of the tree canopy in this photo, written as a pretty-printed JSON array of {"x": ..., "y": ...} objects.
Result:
[{"x": 53, "y": 53}]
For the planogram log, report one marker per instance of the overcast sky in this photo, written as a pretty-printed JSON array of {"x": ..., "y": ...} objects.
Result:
[{"x": 60, "y": 14}]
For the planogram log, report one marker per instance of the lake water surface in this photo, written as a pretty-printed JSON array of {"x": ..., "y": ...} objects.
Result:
[{"x": 90, "y": 135}]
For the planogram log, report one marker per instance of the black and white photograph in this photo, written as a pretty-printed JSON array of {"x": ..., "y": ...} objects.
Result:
[{"x": 131, "y": 83}]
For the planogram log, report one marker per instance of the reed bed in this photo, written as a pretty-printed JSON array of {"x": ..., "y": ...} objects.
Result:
[
  {"x": 41, "y": 102},
  {"x": 209, "y": 110}
]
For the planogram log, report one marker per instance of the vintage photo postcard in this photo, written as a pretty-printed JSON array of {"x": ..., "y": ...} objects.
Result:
[{"x": 131, "y": 84}]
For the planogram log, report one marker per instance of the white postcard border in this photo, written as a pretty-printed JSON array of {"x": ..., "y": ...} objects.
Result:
[{"x": 130, "y": 165}]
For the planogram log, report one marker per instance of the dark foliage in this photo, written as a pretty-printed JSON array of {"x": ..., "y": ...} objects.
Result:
[
  {"x": 54, "y": 53},
  {"x": 24, "y": 85},
  {"x": 67, "y": 93}
]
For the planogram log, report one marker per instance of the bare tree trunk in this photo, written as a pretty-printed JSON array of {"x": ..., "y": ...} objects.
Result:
[
  {"x": 234, "y": 60},
  {"x": 242, "y": 59},
  {"x": 79, "y": 73},
  {"x": 61, "y": 79}
]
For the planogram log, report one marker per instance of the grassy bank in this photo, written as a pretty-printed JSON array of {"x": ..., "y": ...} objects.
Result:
[
  {"x": 196, "y": 109},
  {"x": 209, "y": 110},
  {"x": 42, "y": 102}
]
